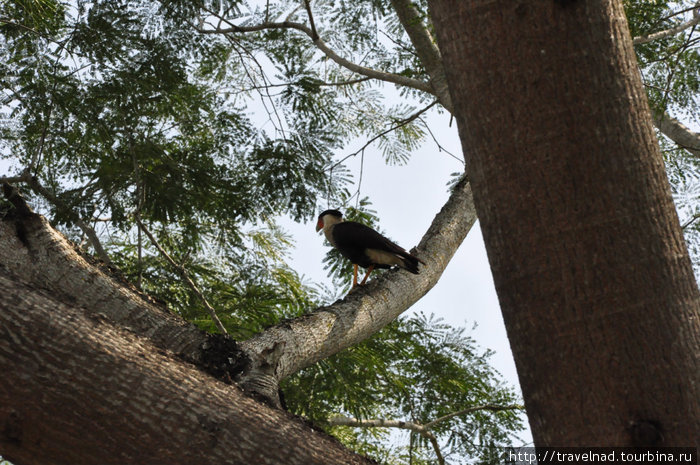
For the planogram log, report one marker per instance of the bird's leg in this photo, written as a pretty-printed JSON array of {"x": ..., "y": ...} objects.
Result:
[
  {"x": 369, "y": 270},
  {"x": 354, "y": 275}
]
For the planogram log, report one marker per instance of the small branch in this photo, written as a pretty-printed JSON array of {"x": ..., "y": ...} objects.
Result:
[
  {"x": 669, "y": 32},
  {"x": 491, "y": 407},
  {"x": 185, "y": 275},
  {"x": 399, "y": 124},
  {"x": 314, "y": 34},
  {"x": 381, "y": 423},
  {"x": 419, "y": 428},
  {"x": 692, "y": 220},
  {"x": 36, "y": 186}
]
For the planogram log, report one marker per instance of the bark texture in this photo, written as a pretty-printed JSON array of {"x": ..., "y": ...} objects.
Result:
[
  {"x": 76, "y": 390},
  {"x": 588, "y": 258},
  {"x": 38, "y": 255}
]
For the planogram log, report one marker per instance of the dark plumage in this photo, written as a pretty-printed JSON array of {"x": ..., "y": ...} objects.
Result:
[{"x": 363, "y": 245}]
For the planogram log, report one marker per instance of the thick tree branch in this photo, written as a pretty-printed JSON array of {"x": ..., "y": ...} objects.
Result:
[
  {"x": 321, "y": 45},
  {"x": 678, "y": 133},
  {"x": 669, "y": 32},
  {"x": 76, "y": 390},
  {"x": 36, "y": 254},
  {"x": 331, "y": 329},
  {"x": 426, "y": 48}
]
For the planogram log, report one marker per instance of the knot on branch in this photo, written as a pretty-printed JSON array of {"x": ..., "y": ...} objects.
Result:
[
  {"x": 260, "y": 380},
  {"x": 222, "y": 358}
]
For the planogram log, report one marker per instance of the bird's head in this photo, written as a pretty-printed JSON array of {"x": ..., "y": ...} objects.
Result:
[{"x": 328, "y": 218}]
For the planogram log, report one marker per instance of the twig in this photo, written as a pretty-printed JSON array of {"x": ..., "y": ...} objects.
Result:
[
  {"x": 381, "y": 423},
  {"x": 185, "y": 275},
  {"x": 399, "y": 124},
  {"x": 419, "y": 428},
  {"x": 491, "y": 407},
  {"x": 692, "y": 220},
  {"x": 139, "y": 205}
]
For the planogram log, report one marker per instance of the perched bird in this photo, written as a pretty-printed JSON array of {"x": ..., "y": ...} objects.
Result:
[{"x": 363, "y": 245}]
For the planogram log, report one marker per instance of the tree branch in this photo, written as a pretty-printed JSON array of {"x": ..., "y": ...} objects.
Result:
[
  {"x": 36, "y": 186},
  {"x": 314, "y": 34},
  {"x": 669, "y": 32},
  {"x": 40, "y": 256},
  {"x": 329, "y": 330},
  {"x": 321, "y": 45},
  {"x": 419, "y": 428},
  {"x": 399, "y": 124},
  {"x": 678, "y": 133},
  {"x": 426, "y": 48},
  {"x": 185, "y": 275},
  {"x": 263, "y": 360},
  {"x": 381, "y": 423},
  {"x": 476, "y": 408},
  {"x": 76, "y": 390}
]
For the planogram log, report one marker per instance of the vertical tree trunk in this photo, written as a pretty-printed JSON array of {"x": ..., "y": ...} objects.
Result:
[{"x": 587, "y": 254}]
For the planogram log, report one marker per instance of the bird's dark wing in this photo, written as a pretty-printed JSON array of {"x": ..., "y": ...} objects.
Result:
[{"x": 350, "y": 234}]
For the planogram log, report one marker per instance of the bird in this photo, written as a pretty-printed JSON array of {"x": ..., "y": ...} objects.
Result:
[{"x": 363, "y": 245}]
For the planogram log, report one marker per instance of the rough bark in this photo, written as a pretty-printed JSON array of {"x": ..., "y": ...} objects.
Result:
[
  {"x": 592, "y": 273},
  {"x": 38, "y": 255},
  {"x": 76, "y": 390}
]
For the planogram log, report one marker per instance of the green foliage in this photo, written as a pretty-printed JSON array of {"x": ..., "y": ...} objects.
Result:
[
  {"x": 669, "y": 65},
  {"x": 416, "y": 369}
]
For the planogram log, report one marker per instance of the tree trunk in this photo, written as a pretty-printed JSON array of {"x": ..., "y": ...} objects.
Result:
[
  {"x": 591, "y": 269},
  {"x": 76, "y": 390}
]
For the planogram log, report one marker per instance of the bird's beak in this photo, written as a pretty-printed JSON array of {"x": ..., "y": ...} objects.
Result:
[{"x": 319, "y": 225}]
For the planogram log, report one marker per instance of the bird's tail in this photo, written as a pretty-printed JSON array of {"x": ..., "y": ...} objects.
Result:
[{"x": 410, "y": 263}]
